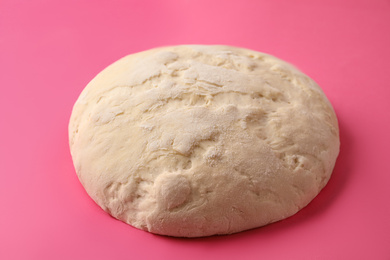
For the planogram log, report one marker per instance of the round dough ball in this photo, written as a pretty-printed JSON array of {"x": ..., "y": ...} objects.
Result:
[{"x": 197, "y": 140}]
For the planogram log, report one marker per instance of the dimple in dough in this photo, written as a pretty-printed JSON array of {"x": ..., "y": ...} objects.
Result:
[{"x": 197, "y": 140}]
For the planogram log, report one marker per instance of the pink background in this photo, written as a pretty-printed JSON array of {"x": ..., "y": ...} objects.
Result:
[{"x": 49, "y": 50}]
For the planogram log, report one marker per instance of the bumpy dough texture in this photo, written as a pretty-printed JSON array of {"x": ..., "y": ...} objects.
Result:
[{"x": 198, "y": 140}]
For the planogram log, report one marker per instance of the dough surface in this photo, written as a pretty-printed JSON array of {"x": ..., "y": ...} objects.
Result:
[{"x": 198, "y": 140}]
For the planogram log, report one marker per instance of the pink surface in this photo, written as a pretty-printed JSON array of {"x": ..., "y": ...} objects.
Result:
[{"x": 49, "y": 50}]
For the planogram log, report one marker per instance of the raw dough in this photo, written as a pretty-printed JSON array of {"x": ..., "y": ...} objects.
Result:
[{"x": 200, "y": 140}]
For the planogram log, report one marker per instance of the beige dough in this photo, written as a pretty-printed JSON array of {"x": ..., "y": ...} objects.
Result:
[{"x": 199, "y": 140}]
